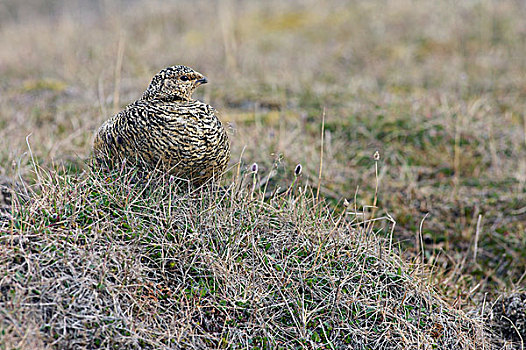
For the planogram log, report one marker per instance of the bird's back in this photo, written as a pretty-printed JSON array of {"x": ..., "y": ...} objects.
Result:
[{"x": 183, "y": 137}]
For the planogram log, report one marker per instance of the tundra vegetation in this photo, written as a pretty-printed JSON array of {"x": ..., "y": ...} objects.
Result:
[{"x": 404, "y": 226}]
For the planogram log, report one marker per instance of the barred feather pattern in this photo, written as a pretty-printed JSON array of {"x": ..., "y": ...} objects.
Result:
[{"x": 171, "y": 131}]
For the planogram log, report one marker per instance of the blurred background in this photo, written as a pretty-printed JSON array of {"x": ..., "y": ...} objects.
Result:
[{"x": 438, "y": 88}]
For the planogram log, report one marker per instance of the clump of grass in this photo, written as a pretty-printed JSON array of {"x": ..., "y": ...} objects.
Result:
[
  {"x": 105, "y": 260},
  {"x": 442, "y": 101}
]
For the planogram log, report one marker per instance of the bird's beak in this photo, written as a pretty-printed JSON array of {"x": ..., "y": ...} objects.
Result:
[{"x": 201, "y": 81}]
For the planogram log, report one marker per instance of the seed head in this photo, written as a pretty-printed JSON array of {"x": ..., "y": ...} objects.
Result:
[
  {"x": 376, "y": 156},
  {"x": 298, "y": 169},
  {"x": 254, "y": 168}
]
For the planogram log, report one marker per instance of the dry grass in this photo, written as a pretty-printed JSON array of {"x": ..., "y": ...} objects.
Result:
[
  {"x": 105, "y": 260},
  {"x": 438, "y": 89}
]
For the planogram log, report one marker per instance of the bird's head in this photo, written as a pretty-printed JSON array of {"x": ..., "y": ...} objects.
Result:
[{"x": 174, "y": 83}]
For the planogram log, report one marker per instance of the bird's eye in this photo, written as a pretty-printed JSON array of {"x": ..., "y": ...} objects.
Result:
[{"x": 185, "y": 78}]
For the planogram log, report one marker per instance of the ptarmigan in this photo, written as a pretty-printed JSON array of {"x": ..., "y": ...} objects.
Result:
[
  {"x": 168, "y": 129},
  {"x": 6, "y": 195},
  {"x": 12, "y": 194}
]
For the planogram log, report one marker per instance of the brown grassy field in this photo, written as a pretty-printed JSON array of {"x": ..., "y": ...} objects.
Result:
[{"x": 437, "y": 88}]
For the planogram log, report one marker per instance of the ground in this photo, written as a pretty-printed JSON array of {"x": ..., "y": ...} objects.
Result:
[{"x": 438, "y": 89}]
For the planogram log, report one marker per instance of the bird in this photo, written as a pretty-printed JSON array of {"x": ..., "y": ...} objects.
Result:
[
  {"x": 12, "y": 195},
  {"x": 166, "y": 128},
  {"x": 6, "y": 194}
]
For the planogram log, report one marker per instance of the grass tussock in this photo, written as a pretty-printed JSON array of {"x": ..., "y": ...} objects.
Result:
[{"x": 102, "y": 260}]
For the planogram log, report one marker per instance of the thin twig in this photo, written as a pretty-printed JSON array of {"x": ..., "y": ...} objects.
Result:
[
  {"x": 321, "y": 157},
  {"x": 477, "y": 234},
  {"x": 420, "y": 240},
  {"x": 118, "y": 69}
]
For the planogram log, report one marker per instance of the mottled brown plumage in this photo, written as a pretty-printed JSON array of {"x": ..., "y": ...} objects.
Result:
[
  {"x": 166, "y": 128},
  {"x": 6, "y": 194},
  {"x": 12, "y": 194}
]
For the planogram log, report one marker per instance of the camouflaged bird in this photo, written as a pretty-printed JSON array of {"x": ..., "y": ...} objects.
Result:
[
  {"x": 167, "y": 128},
  {"x": 6, "y": 195},
  {"x": 12, "y": 194}
]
